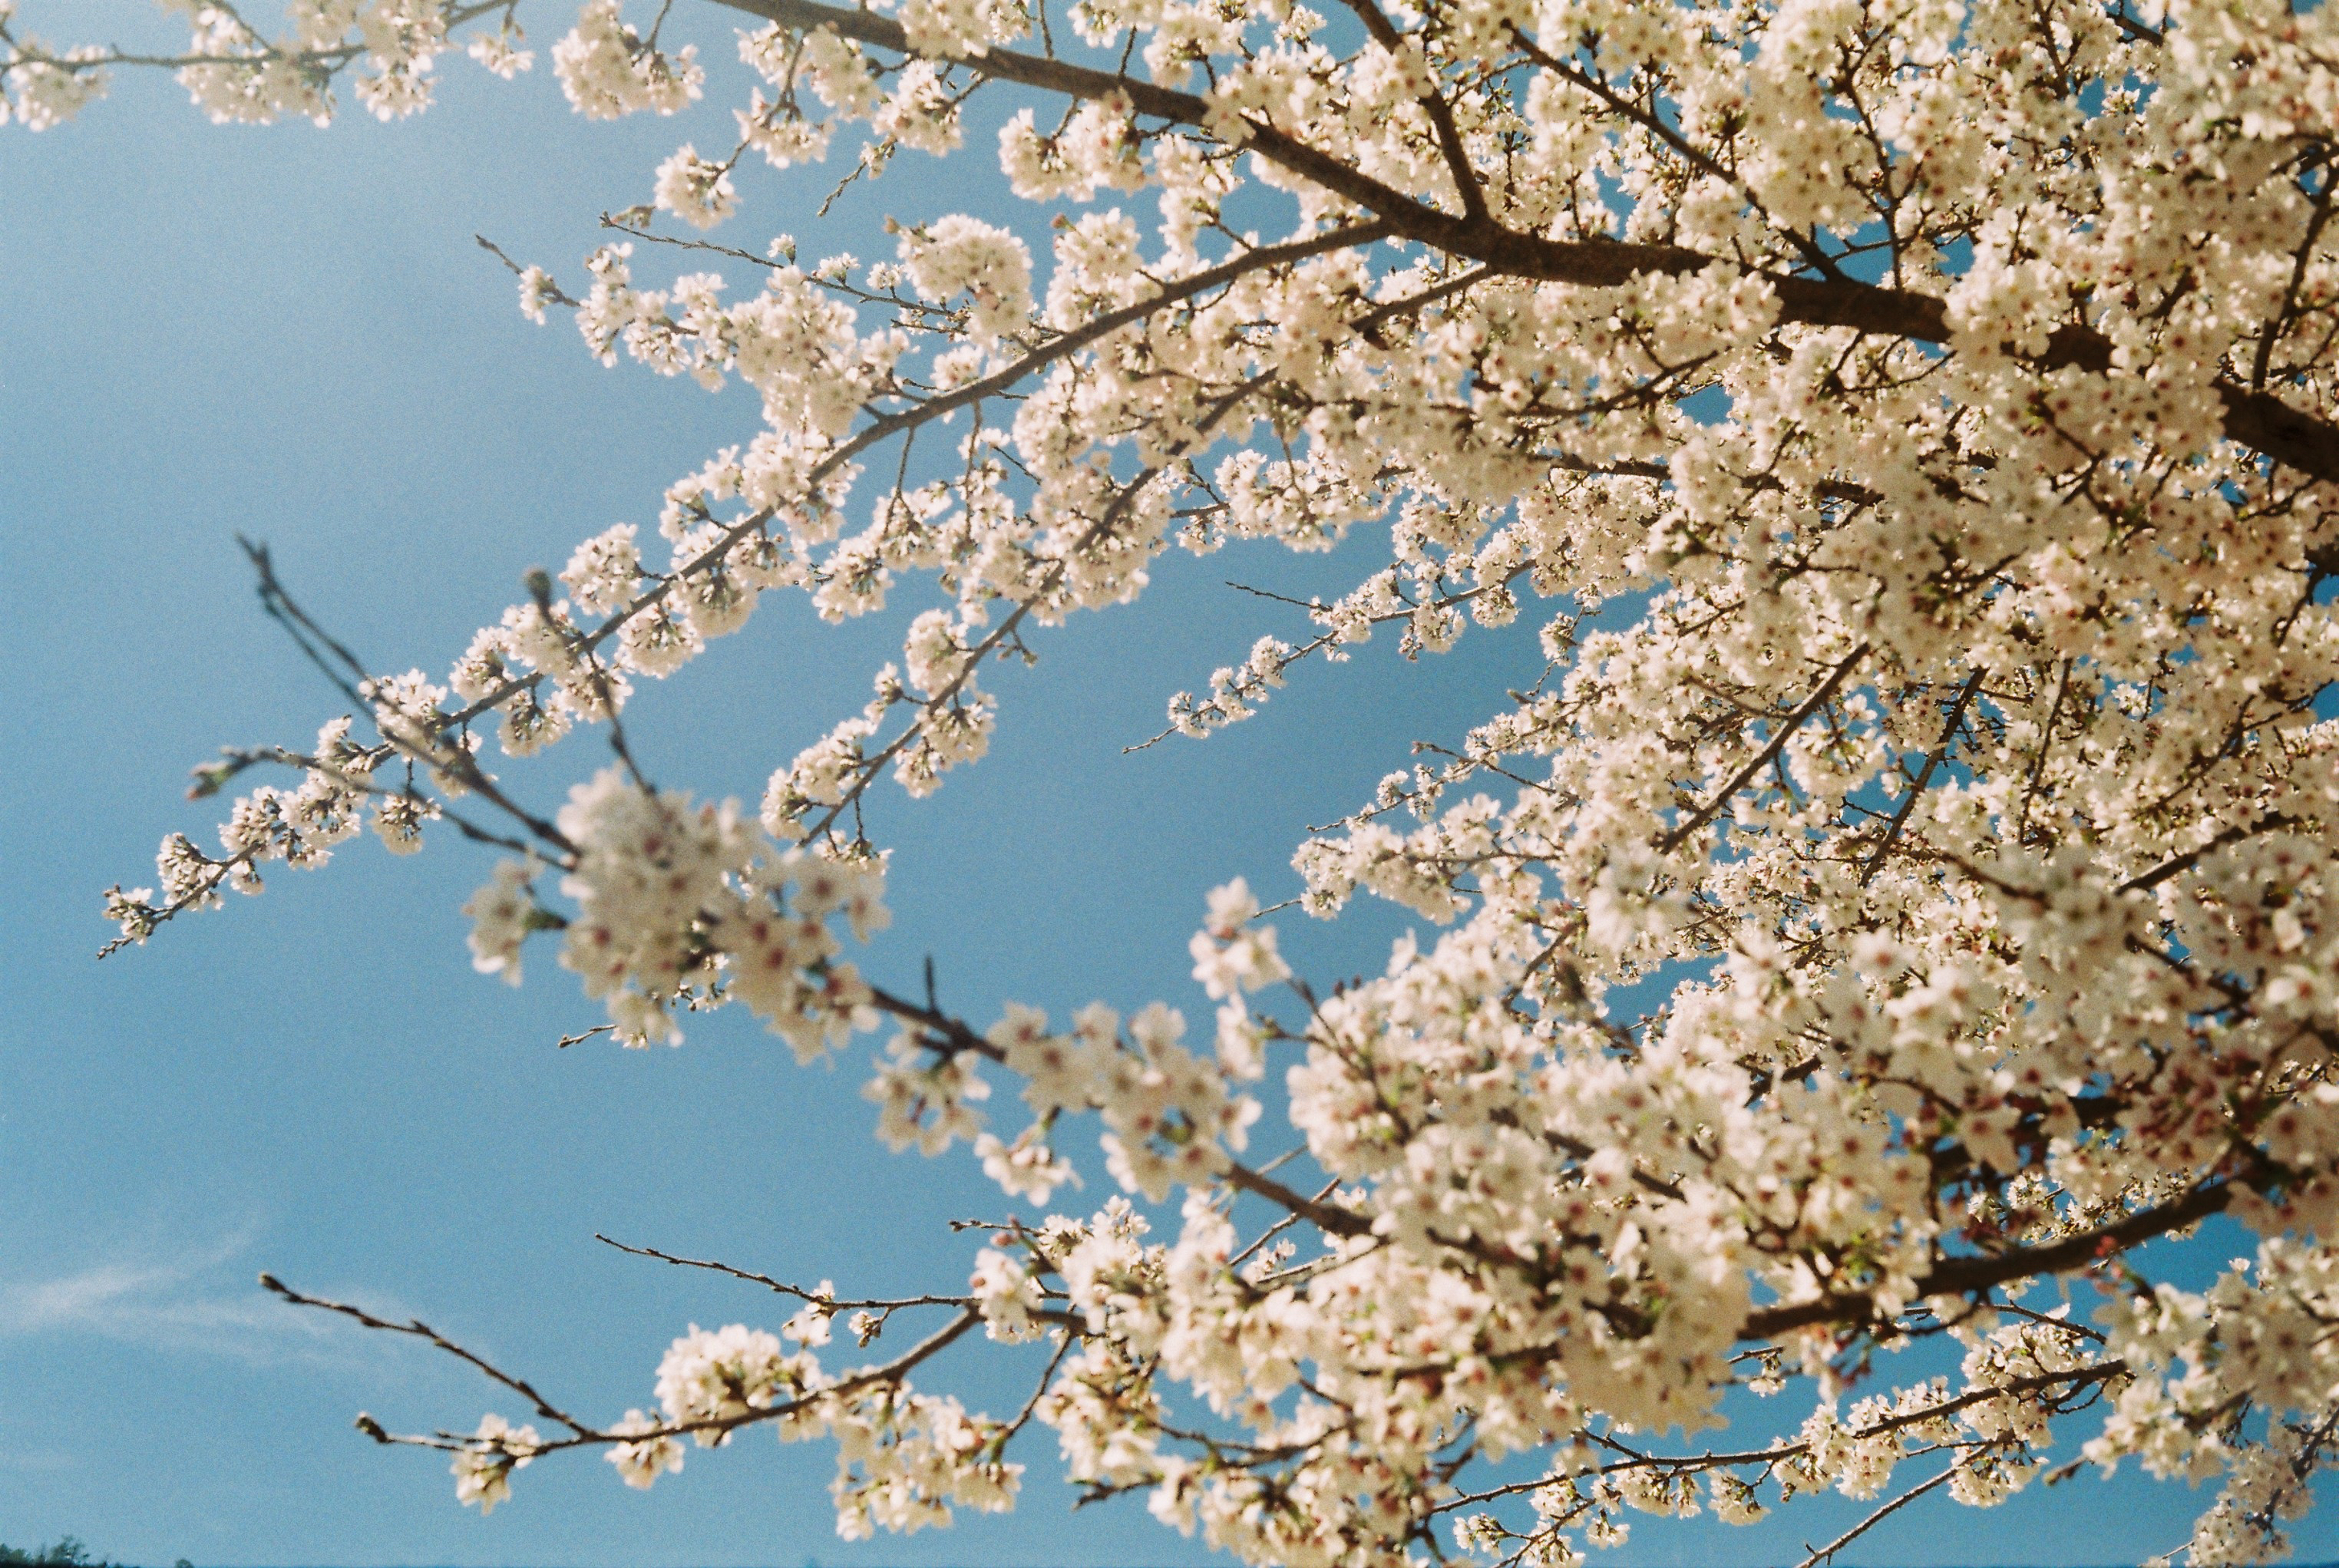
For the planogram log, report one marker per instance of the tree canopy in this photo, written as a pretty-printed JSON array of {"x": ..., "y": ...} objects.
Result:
[{"x": 1910, "y": 883}]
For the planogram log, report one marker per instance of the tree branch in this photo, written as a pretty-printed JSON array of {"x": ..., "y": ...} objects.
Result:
[
  {"x": 1924, "y": 777},
  {"x": 2256, "y": 420},
  {"x": 1966, "y": 1276},
  {"x": 1784, "y": 730},
  {"x": 1827, "y": 1553}
]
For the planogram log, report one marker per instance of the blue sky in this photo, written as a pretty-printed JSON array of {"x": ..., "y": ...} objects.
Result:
[{"x": 289, "y": 333}]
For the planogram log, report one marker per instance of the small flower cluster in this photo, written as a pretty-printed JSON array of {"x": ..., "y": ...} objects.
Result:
[
  {"x": 299, "y": 827},
  {"x": 1234, "y": 692},
  {"x": 484, "y": 1463},
  {"x": 708, "y": 1380},
  {"x": 684, "y": 903},
  {"x": 608, "y": 70}
]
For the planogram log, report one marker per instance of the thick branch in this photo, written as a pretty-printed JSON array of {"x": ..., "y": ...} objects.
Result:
[
  {"x": 2256, "y": 420},
  {"x": 1322, "y": 1215},
  {"x": 1967, "y": 1276}
]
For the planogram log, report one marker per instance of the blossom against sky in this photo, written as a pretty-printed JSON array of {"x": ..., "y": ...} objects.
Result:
[{"x": 288, "y": 334}]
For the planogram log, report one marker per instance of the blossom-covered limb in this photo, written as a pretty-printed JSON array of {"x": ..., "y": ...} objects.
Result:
[{"x": 2254, "y": 418}]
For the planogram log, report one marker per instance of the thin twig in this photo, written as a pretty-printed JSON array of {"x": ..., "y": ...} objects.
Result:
[
  {"x": 1783, "y": 732},
  {"x": 1924, "y": 777},
  {"x": 1828, "y": 1552}
]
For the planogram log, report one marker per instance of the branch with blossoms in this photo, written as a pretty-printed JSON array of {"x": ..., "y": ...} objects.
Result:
[
  {"x": 236, "y": 74},
  {"x": 632, "y": 72},
  {"x": 1167, "y": 1120},
  {"x": 758, "y": 1385},
  {"x": 590, "y": 687},
  {"x": 738, "y": 1379},
  {"x": 1236, "y": 692},
  {"x": 2254, "y": 418}
]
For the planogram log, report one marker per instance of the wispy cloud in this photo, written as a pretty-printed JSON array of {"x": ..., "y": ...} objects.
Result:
[{"x": 186, "y": 1301}]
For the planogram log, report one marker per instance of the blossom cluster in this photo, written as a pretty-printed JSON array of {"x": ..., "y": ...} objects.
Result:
[{"x": 687, "y": 905}]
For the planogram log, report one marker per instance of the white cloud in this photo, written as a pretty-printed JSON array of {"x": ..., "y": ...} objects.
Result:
[{"x": 188, "y": 1302}]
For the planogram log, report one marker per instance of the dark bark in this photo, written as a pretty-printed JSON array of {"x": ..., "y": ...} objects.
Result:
[{"x": 2256, "y": 420}]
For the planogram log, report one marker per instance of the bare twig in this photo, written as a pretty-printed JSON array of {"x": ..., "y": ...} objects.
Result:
[{"x": 1782, "y": 730}]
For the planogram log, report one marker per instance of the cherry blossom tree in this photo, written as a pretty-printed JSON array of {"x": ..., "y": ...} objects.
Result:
[{"x": 1912, "y": 896}]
